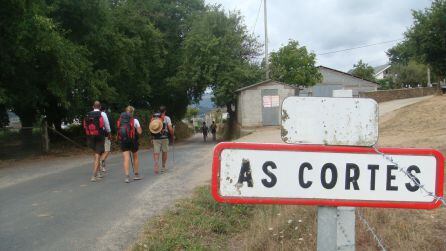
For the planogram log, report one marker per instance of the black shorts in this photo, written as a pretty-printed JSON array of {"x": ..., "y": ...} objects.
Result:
[
  {"x": 96, "y": 143},
  {"x": 129, "y": 146}
]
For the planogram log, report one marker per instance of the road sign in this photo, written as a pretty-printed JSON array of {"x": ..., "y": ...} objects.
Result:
[
  {"x": 330, "y": 121},
  {"x": 324, "y": 175}
]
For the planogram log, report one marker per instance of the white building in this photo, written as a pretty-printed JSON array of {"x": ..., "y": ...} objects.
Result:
[
  {"x": 260, "y": 104},
  {"x": 338, "y": 80},
  {"x": 382, "y": 71}
]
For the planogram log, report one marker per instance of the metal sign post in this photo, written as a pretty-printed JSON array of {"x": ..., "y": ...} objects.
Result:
[{"x": 336, "y": 225}]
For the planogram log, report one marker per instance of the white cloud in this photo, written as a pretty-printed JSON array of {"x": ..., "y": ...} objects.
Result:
[{"x": 329, "y": 25}]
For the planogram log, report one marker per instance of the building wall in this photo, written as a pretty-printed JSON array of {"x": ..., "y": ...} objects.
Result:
[
  {"x": 250, "y": 103},
  {"x": 332, "y": 78}
]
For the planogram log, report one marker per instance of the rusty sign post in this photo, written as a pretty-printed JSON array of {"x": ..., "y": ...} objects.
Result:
[{"x": 310, "y": 171}]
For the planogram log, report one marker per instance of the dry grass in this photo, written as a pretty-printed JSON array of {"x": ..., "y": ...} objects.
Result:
[
  {"x": 197, "y": 223},
  {"x": 279, "y": 228}
]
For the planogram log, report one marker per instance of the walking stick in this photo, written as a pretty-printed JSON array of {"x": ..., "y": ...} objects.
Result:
[
  {"x": 131, "y": 161},
  {"x": 173, "y": 147}
]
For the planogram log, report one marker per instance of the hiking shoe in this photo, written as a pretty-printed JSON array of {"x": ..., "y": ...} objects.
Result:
[
  {"x": 127, "y": 179},
  {"x": 103, "y": 166},
  {"x": 137, "y": 177},
  {"x": 93, "y": 179}
]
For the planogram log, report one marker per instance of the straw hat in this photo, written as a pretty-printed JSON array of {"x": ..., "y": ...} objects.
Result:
[{"x": 156, "y": 126}]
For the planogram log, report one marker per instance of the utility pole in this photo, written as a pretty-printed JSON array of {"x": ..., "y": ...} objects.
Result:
[{"x": 266, "y": 41}]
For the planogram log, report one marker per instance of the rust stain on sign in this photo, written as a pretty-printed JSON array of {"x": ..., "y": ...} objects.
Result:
[{"x": 285, "y": 116}]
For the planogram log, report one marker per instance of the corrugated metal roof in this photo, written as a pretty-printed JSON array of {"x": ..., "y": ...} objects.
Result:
[
  {"x": 377, "y": 70},
  {"x": 264, "y": 82},
  {"x": 348, "y": 74}
]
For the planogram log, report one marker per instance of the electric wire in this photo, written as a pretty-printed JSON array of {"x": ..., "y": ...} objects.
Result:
[
  {"x": 358, "y": 47},
  {"x": 257, "y": 18}
]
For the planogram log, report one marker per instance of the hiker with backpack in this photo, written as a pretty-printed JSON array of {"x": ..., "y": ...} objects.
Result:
[
  {"x": 204, "y": 130},
  {"x": 128, "y": 130},
  {"x": 161, "y": 130},
  {"x": 96, "y": 127},
  {"x": 214, "y": 131}
]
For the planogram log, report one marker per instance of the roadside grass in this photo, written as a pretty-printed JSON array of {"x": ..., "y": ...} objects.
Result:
[
  {"x": 196, "y": 223},
  {"x": 201, "y": 223}
]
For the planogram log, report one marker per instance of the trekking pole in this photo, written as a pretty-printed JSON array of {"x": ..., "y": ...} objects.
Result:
[
  {"x": 173, "y": 147},
  {"x": 131, "y": 161}
]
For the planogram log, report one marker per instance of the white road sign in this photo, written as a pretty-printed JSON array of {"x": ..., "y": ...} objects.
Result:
[
  {"x": 324, "y": 175},
  {"x": 330, "y": 121}
]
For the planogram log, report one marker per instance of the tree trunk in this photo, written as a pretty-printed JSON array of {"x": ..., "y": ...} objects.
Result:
[
  {"x": 231, "y": 122},
  {"x": 26, "y": 132}
]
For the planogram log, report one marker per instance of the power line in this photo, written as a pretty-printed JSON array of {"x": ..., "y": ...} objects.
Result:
[
  {"x": 258, "y": 13},
  {"x": 359, "y": 47}
]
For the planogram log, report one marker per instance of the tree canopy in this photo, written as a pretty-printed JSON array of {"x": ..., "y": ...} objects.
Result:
[
  {"x": 57, "y": 56},
  {"x": 425, "y": 40},
  {"x": 218, "y": 53},
  {"x": 363, "y": 70},
  {"x": 293, "y": 64}
]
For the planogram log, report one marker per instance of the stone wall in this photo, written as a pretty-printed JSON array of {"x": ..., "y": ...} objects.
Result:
[{"x": 387, "y": 95}]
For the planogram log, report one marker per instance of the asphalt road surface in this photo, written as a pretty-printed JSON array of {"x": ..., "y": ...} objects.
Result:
[{"x": 52, "y": 205}]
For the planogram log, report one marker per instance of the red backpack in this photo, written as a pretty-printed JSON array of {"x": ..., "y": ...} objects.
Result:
[
  {"x": 94, "y": 124},
  {"x": 126, "y": 127}
]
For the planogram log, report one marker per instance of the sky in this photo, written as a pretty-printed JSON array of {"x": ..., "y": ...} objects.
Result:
[{"x": 330, "y": 25}]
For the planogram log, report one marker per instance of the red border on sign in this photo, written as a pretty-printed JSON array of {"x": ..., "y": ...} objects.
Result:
[{"x": 326, "y": 202}]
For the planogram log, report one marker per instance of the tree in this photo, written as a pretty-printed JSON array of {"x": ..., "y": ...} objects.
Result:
[
  {"x": 425, "y": 41},
  {"x": 173, "y": 19},
  {"x": 401, "y": 53},
  {"x": 386, "y": 83},
  {"x": 191, "y": 112},
  {"x": 292, "y": 64},
  {"x": 42, "y": 71},
  {"x": 218, "y": 53},
  {"x": 363, "y": 70},
  {"x": 122, "y": 43},
  {"x": 412, "y": 74}
]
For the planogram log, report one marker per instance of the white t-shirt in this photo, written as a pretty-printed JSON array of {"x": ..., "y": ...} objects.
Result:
[
  {"x": 168, "y": 121},
  {"x": 136, "y": 123}
]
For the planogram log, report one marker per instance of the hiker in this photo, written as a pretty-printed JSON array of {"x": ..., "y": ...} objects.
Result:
[
  {"x": 107, "y": 142},
  {"x": 161, "y": 130},
  {"x": 214, "y": 131},
  {"x": 128, "y": 130},
  {"x": 204, "y": 130},
  {"x": 96, "y": 127}
]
